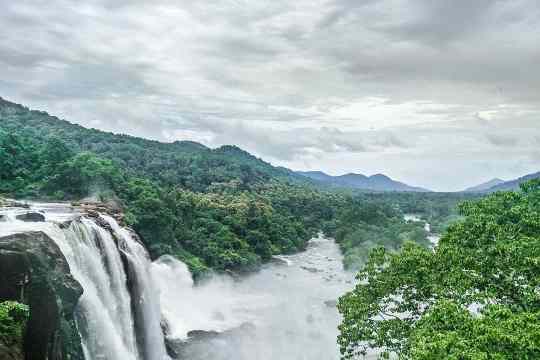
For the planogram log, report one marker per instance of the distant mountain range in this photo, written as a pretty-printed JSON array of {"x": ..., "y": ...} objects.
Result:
[
  {"x": 378, "y": 182},
  {"x": 485, "y": 185},
  {"x": 501, "y": 185},
  {"x": 514, "y": 184}
]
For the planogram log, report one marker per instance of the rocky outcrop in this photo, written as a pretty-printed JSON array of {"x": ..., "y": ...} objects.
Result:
[
  {"x": 34, "y": 270},
  {"x": 202, "y": 339},
  {"x": 93, "y": 209},
  {"x": 31, "y": 216}
]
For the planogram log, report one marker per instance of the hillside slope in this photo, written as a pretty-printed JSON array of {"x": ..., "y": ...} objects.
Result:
[{"x": 184, "y": 163}]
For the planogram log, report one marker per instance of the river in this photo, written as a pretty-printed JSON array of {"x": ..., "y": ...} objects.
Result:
[
  {"x": 287, "y": 308},
  {"x": 284, "y": 311}
]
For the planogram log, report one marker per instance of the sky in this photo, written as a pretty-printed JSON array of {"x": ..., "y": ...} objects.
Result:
[{"x": 436, "y": 93}]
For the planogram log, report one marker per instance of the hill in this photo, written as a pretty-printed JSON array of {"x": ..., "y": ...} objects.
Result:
[
  {"x": 222, "y": 208},
  {"x": 513, "y": 184},
  {"x": 378, "y": 182},
  {"x": 186, "y": 163},
  {"x": 484, "y": 186}
]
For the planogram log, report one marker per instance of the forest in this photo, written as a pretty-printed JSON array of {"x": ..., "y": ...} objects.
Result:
[
  {"x": 475, "y": 296},
  {"x": 220, "y": 209},
  {"x": 224, "y": 210}
]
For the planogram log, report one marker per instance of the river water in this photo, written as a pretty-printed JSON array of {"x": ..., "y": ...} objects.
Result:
[
  {"x": 285, "y": 311},
  {"x": 287, "y": 308}
]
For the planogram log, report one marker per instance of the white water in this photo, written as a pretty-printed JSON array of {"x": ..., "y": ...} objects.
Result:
[
  {"x": 149, "y": 310},
  {"x": 432, "y": 237},
  {"x": 285, "y": 303},
  {"x": 104, "y": 312}
]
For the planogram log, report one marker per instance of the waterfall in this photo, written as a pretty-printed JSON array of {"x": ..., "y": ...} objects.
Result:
[
  {"x": 147, "y": 311},
  {"x": 118, "y": 315}
]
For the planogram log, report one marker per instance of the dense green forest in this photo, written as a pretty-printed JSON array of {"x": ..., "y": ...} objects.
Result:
[
  {"x": 219, "y": 209},
  {"x": 475, "y": 296}
]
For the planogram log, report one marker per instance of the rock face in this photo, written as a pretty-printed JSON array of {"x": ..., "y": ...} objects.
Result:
[
  {"x": 203, "y": 344},
  {"x": 31, "y": 217},
  {"x": 34, "y": 270},
  {"x": 202, "y": 339}
]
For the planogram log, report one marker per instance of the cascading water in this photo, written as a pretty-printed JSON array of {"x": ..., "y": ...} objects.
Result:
[
  {"x": 285, "y": 311},
  {"x": 148, "y": 312},
  {"x": 116, "y": 322}
]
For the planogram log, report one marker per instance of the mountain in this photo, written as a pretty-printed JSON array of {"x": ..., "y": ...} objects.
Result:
[
  {"x": 316, "y": 175},
  {"x": 485, "y": 185},
  {"x": 186, "y": 163},
  {"x": 378, "y": 182},
  {"x": 513, "y": 184}
]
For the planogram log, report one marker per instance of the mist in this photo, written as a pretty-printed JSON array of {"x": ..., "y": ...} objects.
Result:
[{"x": 285, "y": 311}]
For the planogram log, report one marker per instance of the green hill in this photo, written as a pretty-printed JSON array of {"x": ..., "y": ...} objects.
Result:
[
  {"x": 184, "y": 163},
  {"x": 221, "y": 208}
]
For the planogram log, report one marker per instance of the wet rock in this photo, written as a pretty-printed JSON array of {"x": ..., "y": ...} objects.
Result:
[
  {"x": 13, "y": 204},
  {"x": 93, "y": 209},
  {"x": 199, "y": 342},
  {"x": 2, "y": 218},
  {"x": 175, "y": 347},
  {"x": 311, "y": 269},
  {"x": 31, "y": 217},
  {"x": 279, "y": 261},
  {"x": 33, "y": 268},
  {"x": 200, "y": 335}
]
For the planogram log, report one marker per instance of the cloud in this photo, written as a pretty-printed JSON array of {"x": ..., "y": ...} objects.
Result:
[
  {"x": 502, "y": 140},
  {"x": 298, "y": 82}
]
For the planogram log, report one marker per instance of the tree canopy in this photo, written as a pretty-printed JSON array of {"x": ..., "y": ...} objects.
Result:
[
  {"x": 221, "y": 209},
  {"x": 475, "y": 296}
]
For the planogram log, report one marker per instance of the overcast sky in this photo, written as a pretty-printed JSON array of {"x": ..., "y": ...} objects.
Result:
[{"x": 437, "y": 93}]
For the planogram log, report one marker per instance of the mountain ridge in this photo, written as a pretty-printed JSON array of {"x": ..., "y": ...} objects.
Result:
[
  {"x": 484, "y": 186},
  {"x": 513, "y": 184},
  {"x": 188, "y": 163},
  {"x": 376, "y": 182}
]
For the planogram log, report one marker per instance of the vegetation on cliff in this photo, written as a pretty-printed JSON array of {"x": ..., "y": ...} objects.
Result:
[{"x": 13, "y": 317}]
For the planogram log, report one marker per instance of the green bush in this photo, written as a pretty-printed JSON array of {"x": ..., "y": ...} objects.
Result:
[{"x": 13, "y": 317}]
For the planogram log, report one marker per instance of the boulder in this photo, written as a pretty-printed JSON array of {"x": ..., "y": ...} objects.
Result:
[
  {"x": 31, "y": 217},
  {"x": 34, "y": 270},
  {"x": 207, "y": 341},
  {"x": 200, "y": 335},
  {"x": 311, "y": 269}
]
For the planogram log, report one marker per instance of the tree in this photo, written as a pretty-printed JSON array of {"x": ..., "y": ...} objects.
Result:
[{"x": 466, "y": 298}]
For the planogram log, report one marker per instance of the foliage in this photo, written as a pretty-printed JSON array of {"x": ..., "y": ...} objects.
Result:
[
  {"x": 220, "y": 209},
  {"x": 465, "y": 299},
  {"x": 451, "y": 331},
  {"x": 13, "y": 317},
  {"x": 181, "y": 163}
]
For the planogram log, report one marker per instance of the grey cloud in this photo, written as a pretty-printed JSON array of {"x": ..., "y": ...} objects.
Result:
[
  {"x": 502, "y": 140},
  {"x": 275, "y": 77},
  {"x": 437, "y": 22}
]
